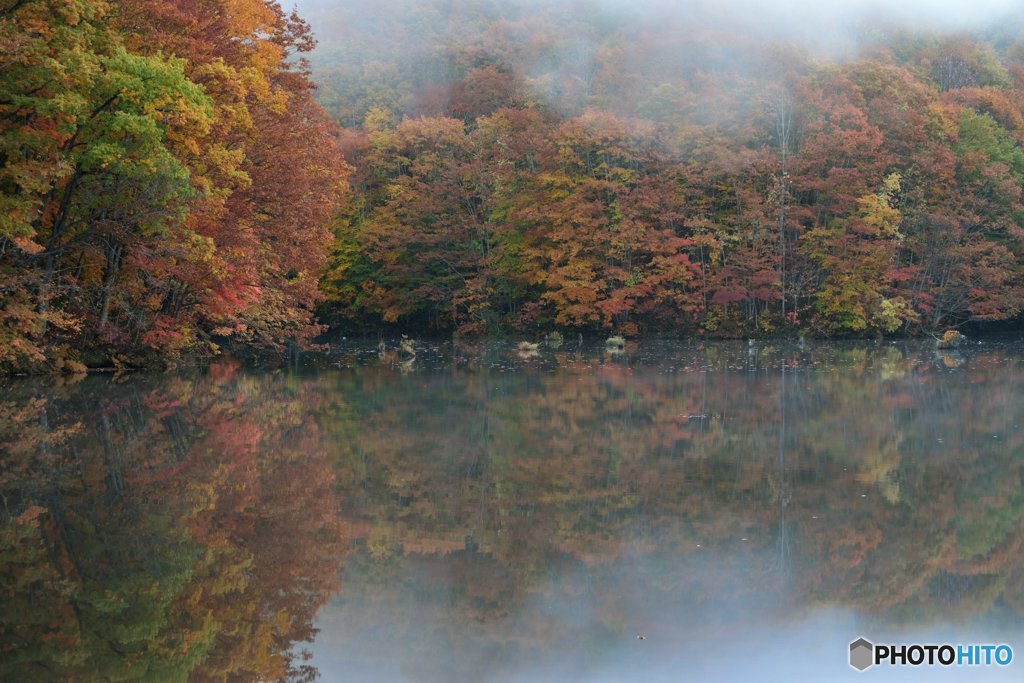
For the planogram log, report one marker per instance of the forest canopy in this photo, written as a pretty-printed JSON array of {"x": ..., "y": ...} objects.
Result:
[
  {"x": 169, "y": 182},
  {"x": 652, "y": 170},
  {"x": 165, "y": 179}
]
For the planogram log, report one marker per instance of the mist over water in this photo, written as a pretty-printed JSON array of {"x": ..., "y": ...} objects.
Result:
[
  {"x": 750, "y": 599},
  {"x": 729, "y": 573},
  {"x": 761, "y": 648},
  {"x": 479, "y": 513}
]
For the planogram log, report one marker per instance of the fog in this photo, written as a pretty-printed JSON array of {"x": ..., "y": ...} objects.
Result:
[
  {"x": 813, "y": 22},
  {"x": 695, "y": 627},
  {"x": 572, "y": 54},
  {"x": 783, "y": 14},
  {"x": 414, "y": 635}
]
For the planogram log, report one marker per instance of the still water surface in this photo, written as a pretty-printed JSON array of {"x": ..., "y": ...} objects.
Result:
[{"x": 677, "y": 512}]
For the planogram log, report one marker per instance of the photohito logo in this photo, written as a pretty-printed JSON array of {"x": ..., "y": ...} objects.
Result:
[
  {"x": 864, "y": 654},
  {"x": 861, "y": 654}
]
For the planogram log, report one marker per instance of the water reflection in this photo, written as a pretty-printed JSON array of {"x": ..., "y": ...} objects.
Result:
[
  {"x": 499, "y": 516},
  {"x": 163, "y": 528}
]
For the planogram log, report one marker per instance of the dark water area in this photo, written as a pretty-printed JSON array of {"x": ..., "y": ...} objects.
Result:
[{"x": 475, "y": 512}]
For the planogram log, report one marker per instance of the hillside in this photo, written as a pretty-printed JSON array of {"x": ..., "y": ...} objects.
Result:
[{"x": 530, "y": 166}]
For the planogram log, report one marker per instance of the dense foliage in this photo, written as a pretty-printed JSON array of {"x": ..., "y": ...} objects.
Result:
[
  {"x": 535, "y": 166},
  {"x": 168, "y": 184},
  {"x": 165, "y": 178}
]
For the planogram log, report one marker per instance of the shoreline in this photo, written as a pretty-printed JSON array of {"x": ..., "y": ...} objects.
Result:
[{"x": 261, "y": 359}]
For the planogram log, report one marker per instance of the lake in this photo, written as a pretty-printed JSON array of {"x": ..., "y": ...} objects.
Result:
[{"x": 675, "y": 512}]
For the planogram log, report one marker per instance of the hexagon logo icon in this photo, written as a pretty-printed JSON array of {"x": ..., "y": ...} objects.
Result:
[{"x": 862, "y": 654}]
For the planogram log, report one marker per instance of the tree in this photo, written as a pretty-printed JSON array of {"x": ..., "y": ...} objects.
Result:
[
  {"x": 856, "y": 256},
  {"x": 86, "y": 130}
]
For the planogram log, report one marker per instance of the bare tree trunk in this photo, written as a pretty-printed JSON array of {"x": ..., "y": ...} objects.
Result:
[
  {"x": 783, "y": 130},
  {"x": 109, "y": 276},
  {"x": 59, "y": 224}
]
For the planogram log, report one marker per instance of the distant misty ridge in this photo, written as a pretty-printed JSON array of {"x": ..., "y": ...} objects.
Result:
[{"x": 822, "y": 25}]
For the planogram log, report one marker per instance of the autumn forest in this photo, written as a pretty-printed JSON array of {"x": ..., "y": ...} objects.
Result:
[
  {"x": 770, "y": 214},
  {"x": 182, "y": 176}
]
